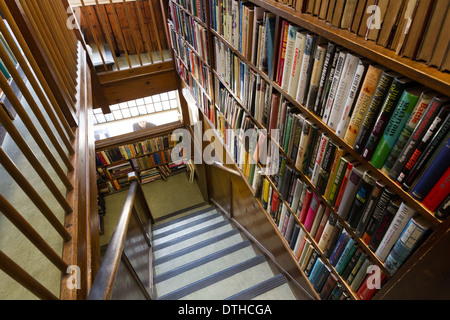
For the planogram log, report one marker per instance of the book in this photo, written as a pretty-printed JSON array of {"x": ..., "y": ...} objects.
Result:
[
  {"x": 319, "y": 275},
  {"x": 352, "y": 263},
  {"x": 340, "y": 173},
  {"x": 328, "y": 102},
  {"x": 318, "y": 219},
  {"x": 438, "y": 193},
  {"x": 441, "y": 46},
  {"x": 362, "y": 103},
  {"x": 334, "y": 238},
  {"x": 327, "y": 66},
  {"x": 417, "y": 29},
  {"x": 375, "y": 106},
  {"x": 404, "y": 25},
  {"x": 402, "y": 217},
  {"x": 319, "y": 158},
  {"x": 299, "y": 50},
  {"x": 366, "y": 291},
  {"x": 289, "y": 56},
  {"x": 377, "y": 215},
  {"x": 340, "y": 152},
  {"x": 283, "y": 49},
  {"x": 339, "y": 248},
  {"x": 443, "y": 211},
  {"x": 433, "y": 172},
  {"x": 359, "y": 263},
  {"x": 376, "y": 20},
  {"x": 322, "y": 224},
  {"x": 357, "y": 16},
  {"x": 369, "y": 208},
  {"x": 312, "y": 211},
  {"x": 267, "y": 61},
  {"x": 395, "y": 126},
  {"x": 407, "y": 242},
  {"x": 427, "y": 156},
  {"x": 384, "y": 224},
  {"x": 346, "y": 256},
  {"x": 350, "y": 102},
  {"x": 319, "y": 60},
  {"x": 327, "y": 232},
  {"x": 395, "y": 92},
  {"x": 343, "y": 89},
  {"x": 365, "y": 188},
  {"x": 359, "y": 277},
  {"x": 434, "y": 25},
  {"x": 431, "y": 113},
  {"x": 320, "y": 108},
  {"x": 303, "y": 145},
  {"x": 408, "y": 129},
  {"x": 348, "y": 14},
  {"x": 325, "y": 167},
  {"x": 306, "y": 204},
  {"x": 343, "y": 186},
  {"x": 328, "y": 287},
  {"x": 306, "y": 68},
  {"x": 440, "y": 122},
  {"x": 389, "y": 23}
]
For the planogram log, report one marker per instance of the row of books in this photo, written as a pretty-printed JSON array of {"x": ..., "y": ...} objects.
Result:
[
  {"x": 128, "y": 151},
  {"x": 201, "y": 97},
  {"x": 109, "y": 186},
  {"x": 412, "y": 28},
  {"x": 191, "y": 60},
  {"x": 194, "y": 7},
  {"x": 194, "y": 33},
  {"x": 150, "y": 161},
  {"x": 248, "y": 29}
]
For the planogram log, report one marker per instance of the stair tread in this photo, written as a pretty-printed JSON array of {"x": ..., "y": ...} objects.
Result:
[
  {"x": 262, "y": 288},
  {"x": 188, "y": 240},
  {"x": 162, "y": 226},
  {"x": 203, "y": 268},
  {"x": 196, "y": 287},
  {"x": 185, "y": 226},
  {"x": 197, "y": 251},
  {"x": 172, "y": 216}
]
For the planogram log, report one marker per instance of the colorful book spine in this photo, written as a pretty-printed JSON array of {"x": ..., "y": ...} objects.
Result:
[
  {"x": 350, "y": 192},
  {"x": 370, "y": 118},
  {"x": 439, "y": 122},
  {"x": 402, "y": 217},
  {"x": 388, "y": 108},
  {"x": 433, "y": 173},
  {"x": 395, "y": 126},
  {"x": 346, "y": 256},
  {"x": 411, "y": 235},
  {"x": 306, "y": 205},
  {"x": 384, "y": 224},
  {"x": 339, "y": 248},
  {"x": 369, "y": 208},
  {"x": 283, "y": 48},
  {"x": 312, "y": 211},
  {"x": 410, "y": 126},
  {"x": 329, "y": 57},
  {"x": 365, "y": 189},
  {"x": 439, "y": 192},
  {"x": 430, "y": 114},
  {"x": 362, "y": 103},
  {"x": 319, "y": 59}
]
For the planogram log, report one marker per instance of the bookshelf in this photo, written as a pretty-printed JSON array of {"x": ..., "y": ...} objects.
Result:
[
  {"x": 421, "y": 73},
  {"x": 147, "y": 153}
]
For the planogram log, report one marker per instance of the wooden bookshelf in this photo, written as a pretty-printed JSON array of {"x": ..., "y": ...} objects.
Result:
[{"x": 420, "y": 72}]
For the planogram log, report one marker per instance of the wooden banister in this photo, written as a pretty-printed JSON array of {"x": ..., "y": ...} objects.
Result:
[{"x": 135, "y": 207}]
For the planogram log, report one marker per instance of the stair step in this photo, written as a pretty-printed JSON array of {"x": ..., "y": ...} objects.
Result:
[
  {"x": 196, "y": 287},
  {"x": 193, "y": 238},
  {"x": 260, "y": 289},
  {"x": 168, "y": 217},
  {"x": 203, "y": 268},
  {"x": 158, "y": 228},
  {"x": 185, "y": 226},
  {"x": 197, "y": 251}
]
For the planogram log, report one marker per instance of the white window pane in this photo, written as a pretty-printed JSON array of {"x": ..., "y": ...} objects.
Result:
[
  {"x": 140, "y": 102},
  {"x": 150, "y": 108},
  {"x": 156, "y": 98},
  {"x": 158, "y": 107},
  {"x": 123, "y": 105},
  {"x": 126, "y": 113},
  {"x": 172, "y": 95},
  {"x": 164, "y": 96},
  {"x": 100, "y": 118},
  {"x": 148, "y": 100},
  {"x": 131, "y": 103},
  {"x": 142, "y": 110},
  {"x": 114, "y": 107},
  {"x": 166, "y": 105},
  {"x": 109, "y": 117},
  {"x": 117, "y": 115}
]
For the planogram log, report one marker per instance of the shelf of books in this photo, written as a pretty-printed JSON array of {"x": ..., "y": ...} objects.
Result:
[
  {"x": 362, "y": 132},
  {"x": 151, "y": 159}
]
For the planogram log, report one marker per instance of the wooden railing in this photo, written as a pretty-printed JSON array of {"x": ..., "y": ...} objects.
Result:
[
  {"x": 123, "y": 34},
  {"x": 46, "y": 143},
  {"x": 126, "y": 269}
]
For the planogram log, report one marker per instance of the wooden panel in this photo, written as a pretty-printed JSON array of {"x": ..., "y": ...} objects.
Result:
[{"x": 140, "y": 87}]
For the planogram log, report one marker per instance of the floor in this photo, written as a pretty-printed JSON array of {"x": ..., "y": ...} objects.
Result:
[{"x": 163, "y": 198}]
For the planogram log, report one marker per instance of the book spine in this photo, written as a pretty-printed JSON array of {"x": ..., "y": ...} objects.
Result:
[
  {"x": 428, "y": 155},
  {"x": 374, "y": 221},
  {"x": 434, "y": 171},
  {"x": 402, "y": 217},
  {"x": 328, "y": 287},
  {"x": 282, "y": 53},
  {"x": 329, "y": 57},
  {"x": 439, "y": 192},
  {"x": 319, "y": 59},
  {"x": 307, "y": 56},
  {"x": 312, "y": 211},
  {"x": 334, "y": 237},
  {"x": 320, "y": 109},
  {"x": 289, "y": 56},
  {"x": 364, "y": 191},
  {"x": 342, "y": 92},
  {"x": 326, "y": 167},
  {"x": 407, "y": 242},
  {"x": 440, "y": 121},
  {"x": 370, "y": 207},
  {"x": 367, "y": 292},
  {"x": 306, "y": 205},
  {"x": 351, "y": 99},
  {"x": 334, "y": 86},
  {"x": 340, "y": 173},
  {"x": 431, "y": 113},
  {"x": 300, "y": 43},
  {"x": 370, "y": 118},
  {"x": 339, "y": 248},
  {"x": 384, "y": 224},
  {"x": 393, "y": 129},
  {"x": 404, "y": 136},
  {"x": 343, "y": 186},
  {"x": 362, "y": 103},
  {"x": 346, "y": 256},
  {"x": 319, "y": 158},
  {"x": 327, "y": 231},
  {"x": 444, "y": 209},
  {"x": 310, "y": 149}
]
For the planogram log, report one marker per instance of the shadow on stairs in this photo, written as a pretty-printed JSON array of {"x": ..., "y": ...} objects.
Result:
[{"x": 200, "y": 255}]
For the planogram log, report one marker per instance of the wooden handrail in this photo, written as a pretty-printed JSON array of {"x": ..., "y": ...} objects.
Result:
[{"x": 102, "y": 288}]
